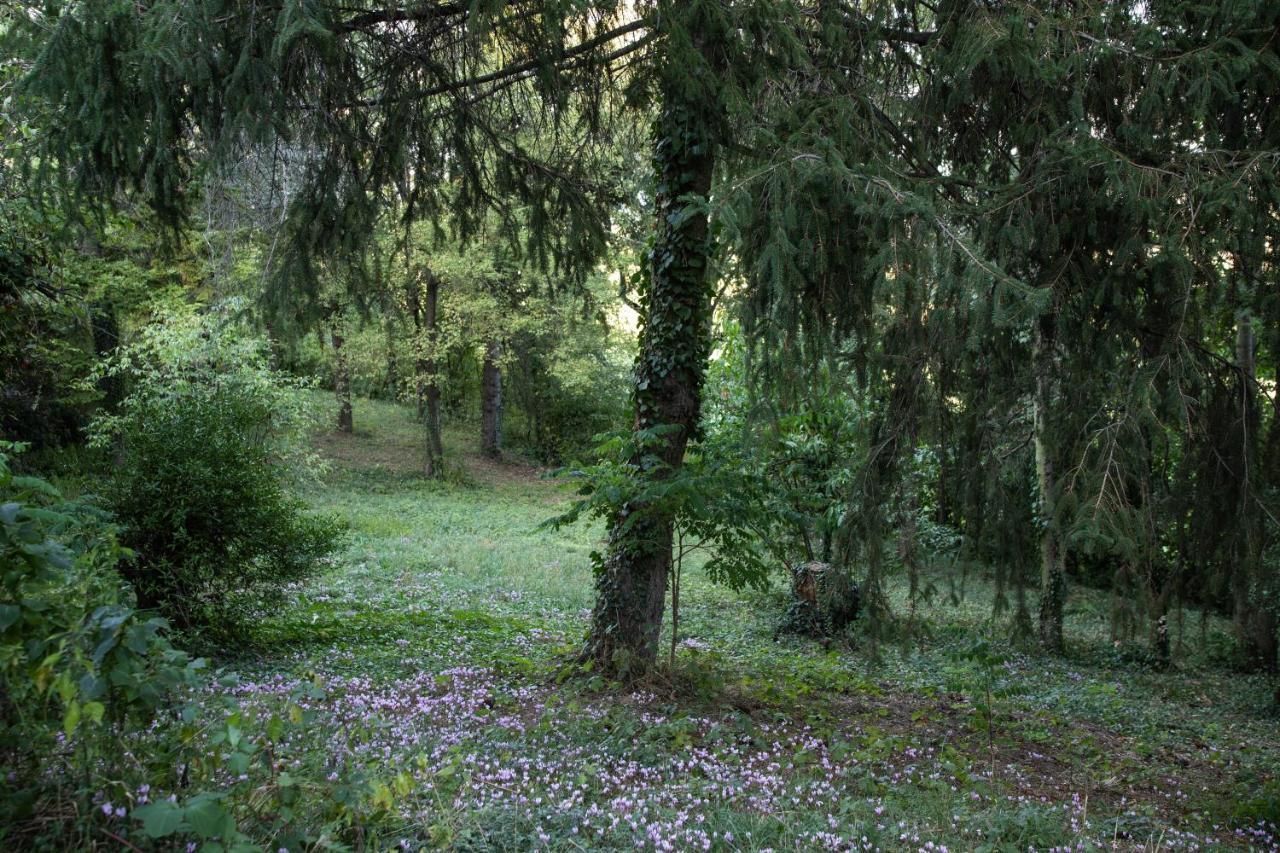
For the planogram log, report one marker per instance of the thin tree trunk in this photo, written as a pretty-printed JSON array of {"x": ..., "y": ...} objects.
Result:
[
  {"x": 1242, "y": 574},
  {"x": 674, "y": 343},
  {"x": 491, "y": 401},
  {"x": 435, "y": 446},
  {"x": 393, "y": 364},
  {"x": 676, "y": 569},
  {"x": 1053, "y": 583},
  {"x": 419, "y": 348},
  {"x": 1255, "y": 624},
  {"x": 274, "y": 348},
  {"x": 105, "y": 327},
  {"x": 1160, "y": 644},
  {"x": 341, "y": 375}
]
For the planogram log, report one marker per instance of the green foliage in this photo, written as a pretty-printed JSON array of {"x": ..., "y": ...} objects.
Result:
[
  {"x": 206, "y": 442},
  {"x": 65, "y": 291},
  {"x": 565, "y": 361},
  {"x": 45, "y": 347},
  {"x": 808, "y": 450},
  {"x": 43, "y": 324},
  {"x": 716, "y": 502},
  {"x": 77, "y": 660},
  {"x": 130, "y": 111},
  {"x": 71, "y": 644},
  {"x": 567, "y": 380},
  {"x": 575, "y": 403},
  {"x": 564, "y": 365}
]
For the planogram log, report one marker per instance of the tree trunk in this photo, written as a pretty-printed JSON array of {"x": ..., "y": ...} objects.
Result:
[
  {"x": 1160, "y": 644},
  {"x": 419, "y": 349},
  {"x": 434, "y": 466},
  {"x": 426, "y": 339},
  {"x": 674, "y": 344},
  {"x": 393, "y": 364},
  {"x": 105, "y": 327},
  {"x": 341, "y": 376},
  {"x": 491, "y": 401},
  {"x": 1254, "y": 623},
  {"x": 1053, "y": 582}
]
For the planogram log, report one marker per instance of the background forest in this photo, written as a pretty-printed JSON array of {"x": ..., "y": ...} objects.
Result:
[{"x": 724, "y": 424}]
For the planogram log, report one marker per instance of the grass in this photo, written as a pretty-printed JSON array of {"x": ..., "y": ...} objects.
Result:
[{"x": 425, "y": 665}]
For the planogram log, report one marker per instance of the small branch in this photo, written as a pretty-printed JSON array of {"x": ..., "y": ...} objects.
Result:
[{"x": 117, "y": 838}]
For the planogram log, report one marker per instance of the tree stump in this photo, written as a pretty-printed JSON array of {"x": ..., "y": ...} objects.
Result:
[{"x": 823, "y": 601}]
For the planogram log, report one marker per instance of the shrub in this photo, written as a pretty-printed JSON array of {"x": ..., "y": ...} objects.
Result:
[
  {"x": 74, "y": 653},
  {"x": 205, "y": 443}
]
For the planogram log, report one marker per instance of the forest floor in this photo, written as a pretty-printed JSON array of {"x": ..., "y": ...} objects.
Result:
[{"x": 432, "y": 646}]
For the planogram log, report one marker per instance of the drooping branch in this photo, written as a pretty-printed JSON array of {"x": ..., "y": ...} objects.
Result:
[
  {"x": 571, "y": 58},
  {"x": 372, "y": 19}
]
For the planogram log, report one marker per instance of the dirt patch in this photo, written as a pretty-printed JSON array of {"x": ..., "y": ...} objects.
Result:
[
  {"x": 506, "y": 471},
  {"x": 365, "y": 451},
  {"x": 396, "y": 448}
]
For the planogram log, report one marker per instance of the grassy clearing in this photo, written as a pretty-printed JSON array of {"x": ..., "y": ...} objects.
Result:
[{"x": 426, "y": 661}]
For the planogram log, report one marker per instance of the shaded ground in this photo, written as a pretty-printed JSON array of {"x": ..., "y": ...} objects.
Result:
[{"x": 395, "y": 446}]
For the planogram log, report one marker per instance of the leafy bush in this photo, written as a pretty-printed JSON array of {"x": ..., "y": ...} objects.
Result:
[
  {"x": 74, "y": 653},
  {"x": 715, "y": 503},
  {"x": 205, "y": 443},
  {"x": 806, "y": 452}
]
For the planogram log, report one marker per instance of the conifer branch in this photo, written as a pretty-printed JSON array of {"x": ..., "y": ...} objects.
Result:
[
  {"x": 368, "y": 20},
  {"x": 571, "y": 58}
]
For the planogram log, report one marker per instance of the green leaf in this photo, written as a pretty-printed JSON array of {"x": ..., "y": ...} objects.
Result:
[
  {"x": 159, "y": 819},
  {"x": 208, "y": 818},
  {"x": 71, "y": 717}
]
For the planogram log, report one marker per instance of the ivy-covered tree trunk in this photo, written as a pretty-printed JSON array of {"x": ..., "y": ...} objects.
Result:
[
  {"x": 674, "y": 343},
  {"x": 491, "y": 401},
  {"x": 1053, "y": 583},
  {"x": 341, "y": 376}
]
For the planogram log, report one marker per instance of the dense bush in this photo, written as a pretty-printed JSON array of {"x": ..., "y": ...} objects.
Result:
[
  {"x": 75, "y": 656},
  {"x": 805, "y": 451},
  {"x": 205, "y": 442}
]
